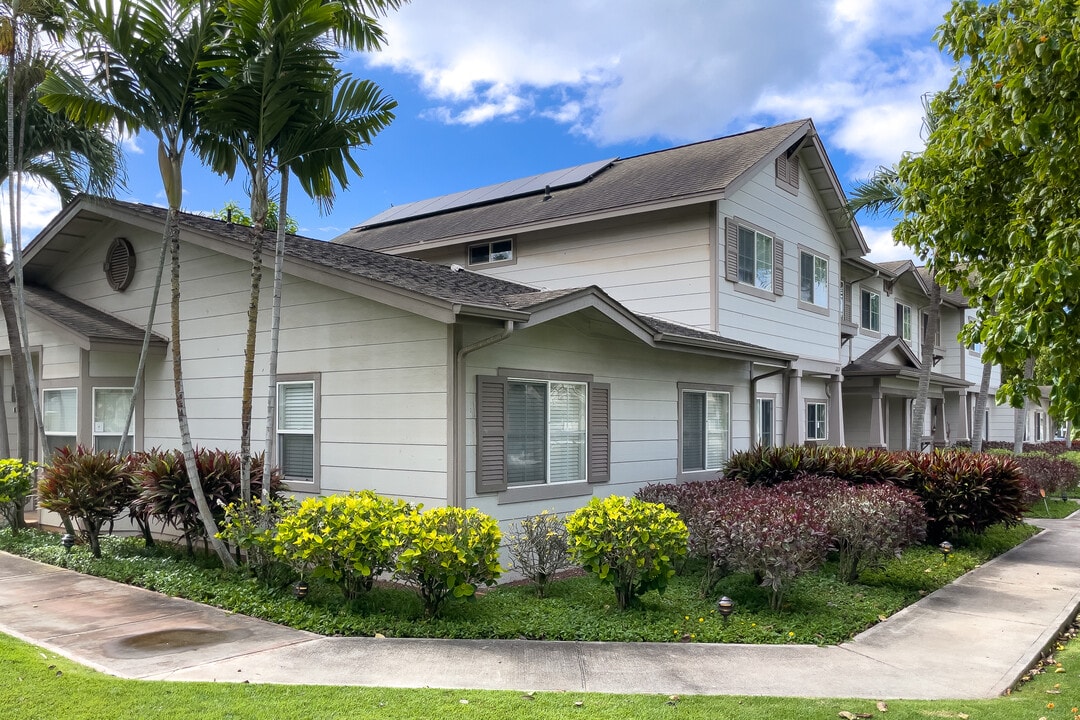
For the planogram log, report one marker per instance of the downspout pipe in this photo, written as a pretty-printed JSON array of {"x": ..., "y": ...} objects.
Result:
[
  {"x": 457, "y": 486},
  {"x": 754, "y": 439}
]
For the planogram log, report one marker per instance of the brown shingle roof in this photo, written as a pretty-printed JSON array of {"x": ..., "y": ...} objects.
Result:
[
  {"x": 90, "y": 323},
  {"x": 700, "y": 168}
]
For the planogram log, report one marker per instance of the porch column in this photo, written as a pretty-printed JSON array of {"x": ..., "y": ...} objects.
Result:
[
  {"x": 938, "y": 414},
  {"x": 793, "y": 412},
  {"x": 836, "y": 411},
  {"x": 876, "y": 436}
]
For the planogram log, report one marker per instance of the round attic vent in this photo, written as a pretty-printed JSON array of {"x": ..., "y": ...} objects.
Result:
[{"x": 120, "y": 264}]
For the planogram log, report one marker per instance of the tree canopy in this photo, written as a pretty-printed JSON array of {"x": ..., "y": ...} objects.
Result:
[{"x": 993, "y": 201}]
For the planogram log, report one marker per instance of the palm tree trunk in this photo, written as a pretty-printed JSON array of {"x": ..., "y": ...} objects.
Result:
[
  {"x": 926, "y": 364},
  {"x": 258, "y": 220},
  {"x": 978, "y": 429},
  {"x": 275, "y": 332},
  {"x": 172, "y": 229}
]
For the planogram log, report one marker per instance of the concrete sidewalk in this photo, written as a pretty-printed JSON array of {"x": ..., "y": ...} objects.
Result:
[{"x": 972, "y": 639}]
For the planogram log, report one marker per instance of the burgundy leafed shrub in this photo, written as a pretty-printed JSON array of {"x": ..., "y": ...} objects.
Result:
[
  {"x": 776, "y": 465},
  {"x": 965, "y": 491},
  {"x": 871, "y": 523},
  {"x": 92, "y": 488},
  {"x": 1049, "y": 474},
  {"x": 165, "y": 492}
]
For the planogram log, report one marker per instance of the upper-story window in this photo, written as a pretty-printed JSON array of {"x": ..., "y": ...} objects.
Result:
[
  {"x": 755, "y": 258},
  {"x": 926, "y": 325},
  {"x": 871, "y": 310},
  {"x": 903, "y": 321},
  {"x": 491, "y": 252},
  {"x": 813, "y": 279}
]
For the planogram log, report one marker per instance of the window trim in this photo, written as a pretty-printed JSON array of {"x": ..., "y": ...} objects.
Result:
[
  {"x": 763, "y": 398},
  {"x": 548, "y": 439},
  {"x": 492, "y": 427},
  {"x": 296, "y": 484},
  {"x": 94, "y": 434},
  {"x": 731, "y": 259},
  {"x": 899, "y": 324},
  {"x": 490, "y": 244},
  {"x": 865, "y": 311},
  {"x": 45, "y": 452},
  {"x": 683, "y": 388},
  {"x": 812, "y": 305},
  {"x": 823, "y": 421}
]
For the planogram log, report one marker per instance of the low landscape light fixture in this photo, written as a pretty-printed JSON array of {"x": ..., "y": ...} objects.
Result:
[
  {"x": 726, "y": 606},
  {"x": 946, "y": 548},
  {"x": 68, "y": 541},
  {"x": 300, "y": 590}
]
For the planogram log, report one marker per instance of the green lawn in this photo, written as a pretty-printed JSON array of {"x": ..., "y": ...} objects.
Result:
[
  {"x": 818, "y": 609},
  {"x": 1054, "y": 509},
  {"x": 36, "y": 685}
]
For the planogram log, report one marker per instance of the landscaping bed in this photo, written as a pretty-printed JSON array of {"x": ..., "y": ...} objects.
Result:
[{"x": 818, "y": 609}]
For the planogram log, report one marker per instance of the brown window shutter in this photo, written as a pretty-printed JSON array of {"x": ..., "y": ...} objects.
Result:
[
  {"x": 778, "y": 266},
  {"x": 793, "y": 172},
  {"x": 731, "y": 249},
  {"x": 599, "y": 432},
  {"x": 491, "y": 425},
  {"x": 781, "y": 170},
  {"x": 846, "y": 289}
]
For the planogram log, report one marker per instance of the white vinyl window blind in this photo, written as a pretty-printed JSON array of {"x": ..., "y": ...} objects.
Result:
[
  {"x": 706, "y": 420},
  {"x": 296, "y": 429},
  {"x": 546, "y": 432}
]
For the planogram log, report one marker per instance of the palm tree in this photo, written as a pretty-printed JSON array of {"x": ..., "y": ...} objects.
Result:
[
  {"x": 145, "y": 57},
  {"x": 266, "y": 87}
]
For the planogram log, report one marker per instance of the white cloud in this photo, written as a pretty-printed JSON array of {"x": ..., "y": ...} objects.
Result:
[
  {"x": 882, "y": 246},
  {"x": 40, "y": 203},
  {"x": 682, "y": 70}
]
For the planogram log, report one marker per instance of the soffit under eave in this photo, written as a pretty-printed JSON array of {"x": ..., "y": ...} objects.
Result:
[{"x": 831, "y": 193}]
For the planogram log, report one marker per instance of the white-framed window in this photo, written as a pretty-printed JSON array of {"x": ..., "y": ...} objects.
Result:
[
  {"x": 59, "y": 409},
  {"x": 491, "y": 252},
  {"x": 705, "y": 429},
  {"x": 813, "y": 279},
  {"x": 110, "y": 416},
  {"x": 816, "y": 424},
  {"x": 296, "y": 407},
  {"x": 755, "y": 258},
  {"x": 766, "y": 421},
  {"x": 871, "y": 310},
  {"x": 903, "y": 321},
  {"x": 546, "y": 438}
]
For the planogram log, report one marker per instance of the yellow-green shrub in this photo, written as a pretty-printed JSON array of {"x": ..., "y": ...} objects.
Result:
[
  {"x": 448, "y": 552},
  {"x": 629, "y": 543},
  {"x": 347, "y": 539},
  {"x": 16, "y": 479}
]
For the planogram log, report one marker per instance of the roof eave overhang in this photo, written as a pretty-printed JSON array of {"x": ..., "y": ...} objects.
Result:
[{"x": 729, "y": 350}]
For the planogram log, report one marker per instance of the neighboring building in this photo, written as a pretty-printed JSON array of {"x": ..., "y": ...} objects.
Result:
[{"x": 747, "y": 236}]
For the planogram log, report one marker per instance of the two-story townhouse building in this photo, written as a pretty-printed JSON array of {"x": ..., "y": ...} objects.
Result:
[{"x": 746, "y": 236}]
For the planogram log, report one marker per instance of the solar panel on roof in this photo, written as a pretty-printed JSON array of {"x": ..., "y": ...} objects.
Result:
[{"x": 500, "y": 191}]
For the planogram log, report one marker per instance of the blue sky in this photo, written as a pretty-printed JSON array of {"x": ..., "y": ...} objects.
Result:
[{"x": 489, "y": 92}]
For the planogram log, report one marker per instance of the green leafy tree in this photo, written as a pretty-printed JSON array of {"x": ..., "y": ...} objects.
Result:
[
  {"x": 994, "y": 194},
  {"x": 143, "y": 58},
  {"x": 232, "y": 212}
]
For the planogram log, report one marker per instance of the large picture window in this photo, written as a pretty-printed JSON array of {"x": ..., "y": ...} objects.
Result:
[
  {"x": 813, "y": 279},
  {"x": 110, "y": 416},
  {"x": 546, "y": 436},
  {"x": 60, "y": 416},
  {"x": 296, "y": 430},
  {"x": 706, "y": 429}
]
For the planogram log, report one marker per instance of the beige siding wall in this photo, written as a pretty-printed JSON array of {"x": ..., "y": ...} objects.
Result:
[
  {"x": 382, "y": 371},
  {"x": 644, "y": 403},
  {"x": 779, "y": 322}
]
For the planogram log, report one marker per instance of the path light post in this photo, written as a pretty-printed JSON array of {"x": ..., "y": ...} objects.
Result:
[
  {"x": 300, "y": 590},
  {"x": 946, "y": 548},
  {"x": 725, "y": 606},
  {"x": 68, "y": 541}
]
